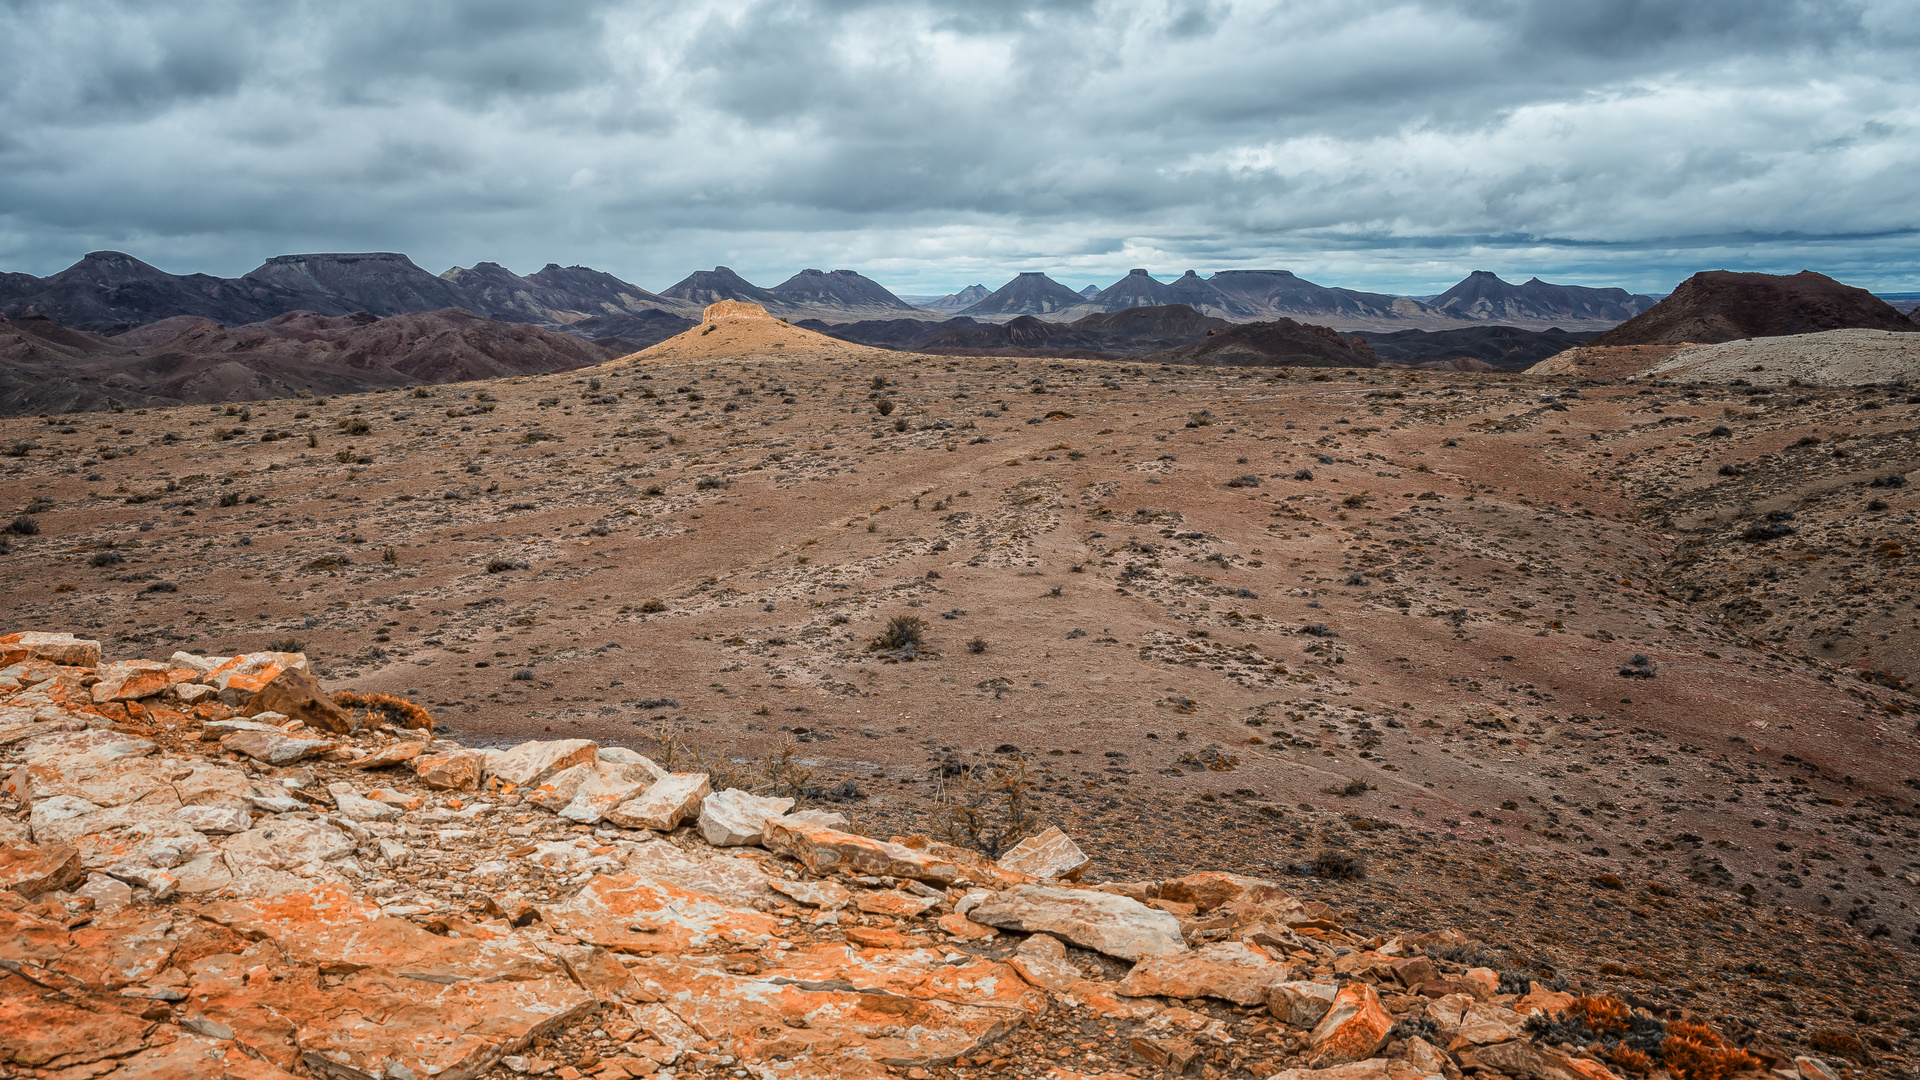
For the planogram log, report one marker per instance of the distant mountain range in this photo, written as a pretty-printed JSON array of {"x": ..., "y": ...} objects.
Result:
[
  {"x": 1177, "y": 333},
  {"x": 109, "y": 292}
]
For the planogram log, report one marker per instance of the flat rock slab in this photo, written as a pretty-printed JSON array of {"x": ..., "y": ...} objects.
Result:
[
  {"x": 1231, "y": 970},
  {"x": 532, "y": 762},
  {"x": 32, "y": 869},
  {"x": 855, "y": 1012},
  {"x": 735, "y": 818},
  {"x": 275, "y": 749},
  {"x": 63, "y": 649},
  {"x": 664, "y": 804},
  {"x": 395, "y": 754},
  {"x": 1104, "y": 922},
  {"x": 631, "y": 913},
  {"x": 1050, "y": 854},
  {"x": 828, "y": 851}
]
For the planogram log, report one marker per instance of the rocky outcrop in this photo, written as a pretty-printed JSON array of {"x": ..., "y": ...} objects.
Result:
[{"x": 189, "y": 890}]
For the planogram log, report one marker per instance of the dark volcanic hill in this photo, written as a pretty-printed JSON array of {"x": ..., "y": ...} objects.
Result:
[
  {"x": 555, "y": 296},
  {"x": 1483, "y": 297},
  {"x": 1137, "y": 289},
  {"x": 1280, "y": 343},
  {"x": 48, "y": 368},
  {"x": 1505, "y": 348},
  {"x": 1123, "y": 333},
  {"x": 1723, "y": 305},
  {"x": 109, "y": 291},
  {"x": 721, "y": 283},
  {"x": 381, "y": 283},
  {"x": 623, "y": 334},
  {"x": 901, "y": 334},
  {"x": 842, "y": 290},
  {"x": 1031, "y": 293},
  {"x": 1265, "y": 294},
  {"x": 959, "y": 301}
]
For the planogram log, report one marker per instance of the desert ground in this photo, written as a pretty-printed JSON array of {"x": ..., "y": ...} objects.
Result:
[{"x": 1617, "y": 673}]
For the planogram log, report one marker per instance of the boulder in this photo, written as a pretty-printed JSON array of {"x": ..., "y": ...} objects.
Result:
[
  {"x": 1231, "y": 970},
  {"x": 531, "y": 762},
  {"x": 274, "y": 748},
  {"x": 612, "y": 783},
  {"x": 200, "y": 665},
  {"x": 214, "y": 819},
  {"x": 1050, "y": 854},
  {"x": 241, "y": 677},
  {"x": 1302, "y": 1004},
  {"x": 296, "y": 693},
  {"x": 392, "y": 754},
  {"x": 664, "y": 804},
  {"x": 1354, "y": 1029},
  {"x": 735, "y": 818},
  {"x": 557, "y": 790},
  {"x": 458, "y": 771},
  {"x": 132, "y": 680},
  {"x": 828, "y": 851},
  {"x": 1104, "y": 922},
  {"x": 358, "y": 807},
  {"x": 1042, "y": 961},
  {"x": 1213, "y": 888},
  {"x": 63, "y": 649},
  {"x": 30, "y": 869}
]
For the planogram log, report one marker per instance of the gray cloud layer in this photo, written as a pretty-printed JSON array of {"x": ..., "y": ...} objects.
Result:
[{"x": 933, "y": 144}]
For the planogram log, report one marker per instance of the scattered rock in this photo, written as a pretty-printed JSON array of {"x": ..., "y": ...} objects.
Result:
[
  {"x": 1050, "y": 854},
  {"x": 30, "y": 869},
  {"x": 1104, "y": 922},
  {"x": 275, "y": 749},
  {"x": 294, "y": 692},
  {"x": 664, "y": 804},
  {"x": 828, "y": 851},
  {"x": 1355, "y": 1027},
  {"x": 735, "y": 818}
]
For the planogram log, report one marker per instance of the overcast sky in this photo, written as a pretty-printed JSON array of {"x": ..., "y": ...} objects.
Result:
[{"x": 932, "y": 145}]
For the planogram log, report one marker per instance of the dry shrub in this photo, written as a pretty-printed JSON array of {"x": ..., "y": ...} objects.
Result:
[
  {"x": 1630, "y": 1060},
  {"x": 904, "y": 632},
  {"x": 1602, "y": 1015},
  {"x": 397, "y": 710},
  {"x": 988, "y": 807},
  {"x": 1695, "y": 1052},
  {"x": 1840, "y": 1044}
]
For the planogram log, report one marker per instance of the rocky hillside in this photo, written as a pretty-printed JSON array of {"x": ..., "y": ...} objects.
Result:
[
  {"x": 1280, "y": 343},
  {"x": 109, "y": 292},
  {"x": 1032, "y": 293},
  {"x": 212, "y": 867},
  {"x": 46, "y": 368},
  {"x": 1720, "y": 305}
]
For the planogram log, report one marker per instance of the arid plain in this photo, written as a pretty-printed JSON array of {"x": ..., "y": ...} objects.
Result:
[{"x": 1527, "y": 647}]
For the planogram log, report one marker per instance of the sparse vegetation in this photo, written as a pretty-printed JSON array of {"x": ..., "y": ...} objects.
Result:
[
  {"x": 389, "y": 708},
  {"x": 987, "y": 807},
  {"x": 903, "y": 634}
]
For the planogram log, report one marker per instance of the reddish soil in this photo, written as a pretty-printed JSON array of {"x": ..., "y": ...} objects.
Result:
[{"x": 1423, "y": 654}]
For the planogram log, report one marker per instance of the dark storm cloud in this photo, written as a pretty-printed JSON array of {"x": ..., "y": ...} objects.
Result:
[{"x": 937, "y": 143}]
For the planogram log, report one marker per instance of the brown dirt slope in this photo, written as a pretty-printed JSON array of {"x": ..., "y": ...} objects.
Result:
[
  {"x": 1721, "y": 305},
  {"x": 187, "y": 360},
  {"x": 1280, "y": 343},
  {"x": 1625, "y": 695}
]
